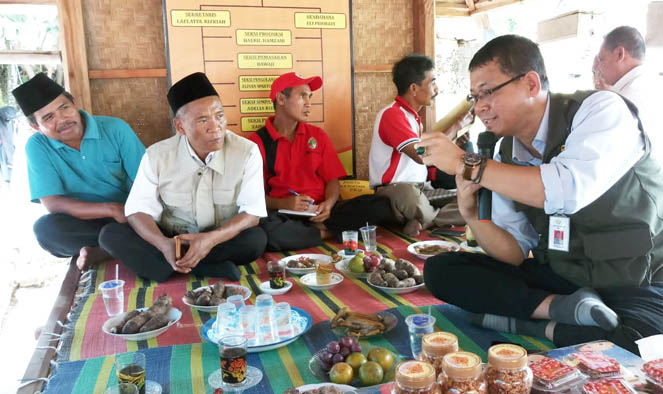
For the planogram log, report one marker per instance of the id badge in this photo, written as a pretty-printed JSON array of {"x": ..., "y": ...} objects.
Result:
[{"x": 559, "y": 232}]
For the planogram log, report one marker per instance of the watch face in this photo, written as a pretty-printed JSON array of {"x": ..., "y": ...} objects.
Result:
[{"x": 472, "y": 159}]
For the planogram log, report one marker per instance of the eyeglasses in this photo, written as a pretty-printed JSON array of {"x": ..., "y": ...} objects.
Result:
[{"x": 486, "y": 93}]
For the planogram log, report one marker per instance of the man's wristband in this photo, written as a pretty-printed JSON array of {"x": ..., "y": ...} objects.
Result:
[{"x": 482, "y": 165}]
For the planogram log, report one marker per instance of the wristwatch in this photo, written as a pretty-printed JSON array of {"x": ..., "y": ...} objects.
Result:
[{"x": 470, "y": 162}]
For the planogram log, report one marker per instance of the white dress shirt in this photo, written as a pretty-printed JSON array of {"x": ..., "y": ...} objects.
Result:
[
  {"x": 643, "y": 89},
  {"x": 144, "y": 195},
  {"x": 603, "y": 145}
]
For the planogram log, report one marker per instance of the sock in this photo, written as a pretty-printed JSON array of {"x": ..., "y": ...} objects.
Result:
[
  {"x": 535, "y": 328},
  {"x": 583, "y": 308}
]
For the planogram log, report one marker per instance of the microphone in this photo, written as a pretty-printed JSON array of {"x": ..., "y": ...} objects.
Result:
[{"x": 486, "y": 144}]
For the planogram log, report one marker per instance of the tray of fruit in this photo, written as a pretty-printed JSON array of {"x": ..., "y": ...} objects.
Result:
[
  {"x": 207, "y": 298},
  {"x": 396, "y": 277},
  {"x": 343, "y": 362},
  {"x": 362, "y": 325},
  {"x": 360, "y": 265}
]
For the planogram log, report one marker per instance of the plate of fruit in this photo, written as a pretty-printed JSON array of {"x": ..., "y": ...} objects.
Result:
[
  {"x": 343, "y": 362},
  {"x": 301, "y": 264},
  {"x": 360, "y": 265}
]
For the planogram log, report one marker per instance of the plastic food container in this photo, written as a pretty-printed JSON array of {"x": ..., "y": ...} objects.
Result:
[
  {"x": 654, "y": 373},
  {"x": 507, "y": 371},
  {"x": 435, "y": 346},
  {"x": 462, "y": 373},
  {"x": 597, "y": 365},
  {"x": 602, "y": 386},
  {"x": 415, "y": 377},
  {"x": 551, "y": 375}
]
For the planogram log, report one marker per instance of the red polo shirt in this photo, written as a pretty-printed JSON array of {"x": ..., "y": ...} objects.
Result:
[{"x": 305, "y": 165}]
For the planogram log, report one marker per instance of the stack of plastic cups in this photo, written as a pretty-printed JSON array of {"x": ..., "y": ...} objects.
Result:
[
  {"x": 266, "y": 323},
  {"x": 227, "y": 320},
  {"x": 247, "y": 317},
  {"x": 283, "y": 322}
]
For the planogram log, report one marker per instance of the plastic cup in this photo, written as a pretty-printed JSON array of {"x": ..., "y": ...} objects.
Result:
[
  {"x": 368, "y": 235},
  {"x": 419, "y": 325},
  {"x": 113, "y": 294},
  {"x": 226, "y": 316},
  {"x": 130, "y": 368},
  {"x": 232, "y": 350},
  {"x": 264, "y": 300},
  {"x": 237, "y": 300},
  {"x": 350, "y": 241},
  {"x": 247, "y": 317}
]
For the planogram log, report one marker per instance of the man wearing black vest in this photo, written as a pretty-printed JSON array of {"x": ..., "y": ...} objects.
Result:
[
  {"x": 301, "y": 171},
  {"x": 575, "y": 245}
]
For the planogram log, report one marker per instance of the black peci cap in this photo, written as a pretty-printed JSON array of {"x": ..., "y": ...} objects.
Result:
[
  {"x": 36, "y": 93},
  {"x": 188, "y": 89}
]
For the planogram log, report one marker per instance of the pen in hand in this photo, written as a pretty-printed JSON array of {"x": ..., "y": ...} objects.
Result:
[{"x": 294, "y": 193}]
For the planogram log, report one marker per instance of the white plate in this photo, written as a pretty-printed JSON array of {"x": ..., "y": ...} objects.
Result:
[
  {"x": 465, "y": 246},
  {"x": 348, "y": 257},
  {"x": 345, "y": 269},
  {"x": 397, "y": 290},
  {"x": 343, "y": 387},
  {"x": 302, "y": 271},
  {"x": 412, "y": 250},
  {"x": 264, "y": 287},
  {"x": 311, "y": 281},
  {"x": 174, "y": 316},
  {"x": 212, "y": 308}
]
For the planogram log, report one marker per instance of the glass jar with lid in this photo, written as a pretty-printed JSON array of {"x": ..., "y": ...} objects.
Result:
[
  {"x": 415, "y": 377},
  {"x": 462, "y": 373},
  {"x": 435, "y": 346},
  {"x": 507, "y": 371}
]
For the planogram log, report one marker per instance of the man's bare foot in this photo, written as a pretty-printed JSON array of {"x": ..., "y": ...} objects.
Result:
[
  {"x": 412, "y": 228},
  {"x": 90, "y": 256}
]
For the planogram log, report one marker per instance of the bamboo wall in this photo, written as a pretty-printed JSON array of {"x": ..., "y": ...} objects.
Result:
[{"x": 128, "y": 34}]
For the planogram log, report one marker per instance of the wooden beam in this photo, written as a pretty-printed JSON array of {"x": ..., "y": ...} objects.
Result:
[
  {"x": 30, "y": 57},
  {"x": 445, "y": 9},
  {"x": 40, "y": 363},
  {"x": 424, "y": 43},
  {"x": 70, "y": 13},
  {"x": 122, "y": 74},
  {"x": 489, "y": 5},
  {"x": 377, "y": 68}
]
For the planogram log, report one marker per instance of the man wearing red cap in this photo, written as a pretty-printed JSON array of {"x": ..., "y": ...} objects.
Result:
[
  {"x": 201, "y": 186},
  {"x": 80, "y": 167},
  {"x": 301, "y": 171}
]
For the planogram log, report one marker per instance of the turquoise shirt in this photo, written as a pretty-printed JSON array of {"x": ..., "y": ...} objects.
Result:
[{"x": 102, "y": 171}]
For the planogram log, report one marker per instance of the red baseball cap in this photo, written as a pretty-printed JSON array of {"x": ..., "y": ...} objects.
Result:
[{"x": 290, "y": 80}]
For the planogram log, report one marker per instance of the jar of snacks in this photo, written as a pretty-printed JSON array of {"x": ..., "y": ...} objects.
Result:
[
  {"x": 507, "y": 371},
  {"x": 435, "y": 346},
  {"x": 415, "y": 377},
  {"x": 462, "y": 373}
]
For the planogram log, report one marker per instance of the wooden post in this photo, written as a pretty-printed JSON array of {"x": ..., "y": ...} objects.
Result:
[
  {"x": 424, "y": 43},
  {"x": 74, "y": 54}
]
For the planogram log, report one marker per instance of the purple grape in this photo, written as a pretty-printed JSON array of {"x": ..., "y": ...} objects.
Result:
[
  {"x": 345, "y": 351},
  {"x": 326, "y": 366},
  {"x": 347, "y": 342},
  {"x": 338, "y": 358},
  {"x": 333, "y": 347},
  {"x": 326, "y": 357},
  {"x": 367, "y": 259},
  {"x": 356, "y": 348}
]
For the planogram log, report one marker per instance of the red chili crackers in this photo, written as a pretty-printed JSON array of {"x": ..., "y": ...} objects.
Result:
[
  {"x": 654, "y": 370},
  {"x": 597, "y": 364},
  {"x": 607, "y": 386},
  {"x": 549, "y": 371}
]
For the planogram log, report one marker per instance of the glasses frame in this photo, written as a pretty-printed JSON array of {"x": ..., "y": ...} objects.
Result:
[{"x": 485, "y": 93}]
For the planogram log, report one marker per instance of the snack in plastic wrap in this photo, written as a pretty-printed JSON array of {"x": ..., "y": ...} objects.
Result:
[
  {"x": 597, "y": 365},
  {"x": 654, "y": 371},
  {"x": 551, "y": 373},
  {"x": 607, "y": 386}
]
